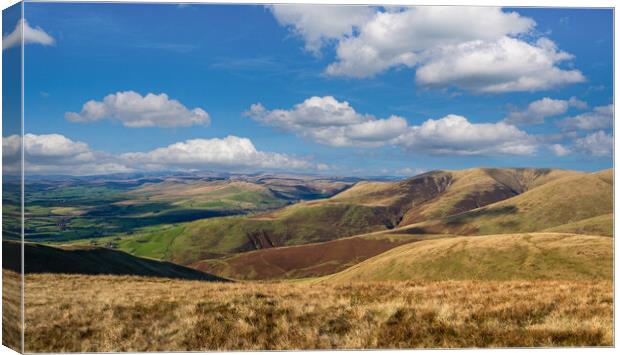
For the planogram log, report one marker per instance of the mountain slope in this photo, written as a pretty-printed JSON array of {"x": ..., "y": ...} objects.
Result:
[
  {"x": 494, "y": 257},
  {"x": 217, "y": 237},
  {"x": 93, "y": 261},
  {"x": 365, "y": 207},
  {"x": 443, "y": 193},
  {"x": 561, "y": 201}
]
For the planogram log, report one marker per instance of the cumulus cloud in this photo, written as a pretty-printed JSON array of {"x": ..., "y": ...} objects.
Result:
[
  {"x": 559, "y": 150},
  {"x": 597, "y": 144},
  {"x": 402, "y": 38},
  {"x": 538, "y": 110},
  {"x": 57, "y": 154},
  {"x": 229, "y": 152},
  {"x": 135, "y": 110},
  {"x": 505, "y": 65},
  {"x": 480, "y": 49},
  {"x": 328, "y": 121},
  {"x": 318, "y": 25},
  {"x": 32, "y": 35},
  {"x": 455, "y": 135},
  {"x": 602, "y": 117}
]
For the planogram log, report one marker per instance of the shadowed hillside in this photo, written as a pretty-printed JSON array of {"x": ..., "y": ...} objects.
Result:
[
  {"x": 93, "y": 261},
  {"x": 536, "y": 256}
]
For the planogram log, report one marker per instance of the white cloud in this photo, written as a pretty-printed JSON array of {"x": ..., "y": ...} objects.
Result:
[
  {"x": 318, "y": 24},
  {"x": 229, "y": 152},
  {"x": 401, "y": 38},
  {"x": 559, "y": 150},
  {"x": 480, "y": 49},
  {"x": 538, "y": 110},
  {"x": 57, "y": 154},
  {"x": 135, "y": 110},
  {"x": 602, "y": 117},
  {"x": 505, "y": 65},
  {"x": 328, "y": 121},
  {"x": 455, "y": 135},
  {"x": 597, "y": 144},
  {"x": 31, "y": 36}
]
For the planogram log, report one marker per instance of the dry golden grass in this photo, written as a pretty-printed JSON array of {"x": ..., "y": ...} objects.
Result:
[
  {"x": 523, "y": 256},
  {"x": 11, "y": 321},
  {"x": 115, "y": 313}
]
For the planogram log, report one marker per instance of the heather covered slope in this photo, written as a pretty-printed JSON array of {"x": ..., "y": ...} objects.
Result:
[
  {"x": 535, "y": 256},
  {"x": 561, "y": 201},
  {"x": 93, "y": 261},
  {"x": 308, "y": 260}
]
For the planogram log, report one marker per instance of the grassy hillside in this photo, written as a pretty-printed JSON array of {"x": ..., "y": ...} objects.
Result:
[
  {"x": 443, "y": 193},
  {"x": 474, "y": 188},
  {"x": 365, "y": 207},
  {"x": 561, "y": 201},
  {"x": 308, "y": 260},
  {"x": 536, "y": 256},
  {"x": 92, "y": 261},
  {"x": 216, "y": 237},
  {"x": 599, "y": 225},
  {"x": 77, "y": 313}
]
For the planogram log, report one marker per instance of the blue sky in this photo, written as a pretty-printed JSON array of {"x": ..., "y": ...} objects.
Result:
[{"x": 348, "y": 90}]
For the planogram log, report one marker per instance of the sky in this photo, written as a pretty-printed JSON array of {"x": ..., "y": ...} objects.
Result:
[{"x": 338, "y": 90}]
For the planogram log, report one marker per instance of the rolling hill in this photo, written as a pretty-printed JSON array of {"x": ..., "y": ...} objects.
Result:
[
  {"x": 443, "y": 193},
  {"x": 562, "y": 201},
  {"x": 363, "y": 208},
  {"x": 535, "y": 256},
  {"x": 93, "y": 261},
  {"x": 599, "y": 225}
]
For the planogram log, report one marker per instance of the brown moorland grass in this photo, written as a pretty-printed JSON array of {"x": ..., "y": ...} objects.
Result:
[
  {"x": 121, "y": 313},
  {"x": 11, "y": 317}
]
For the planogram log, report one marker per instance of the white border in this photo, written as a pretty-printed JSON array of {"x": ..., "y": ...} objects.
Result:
[{"x": 504, "y": 3}]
